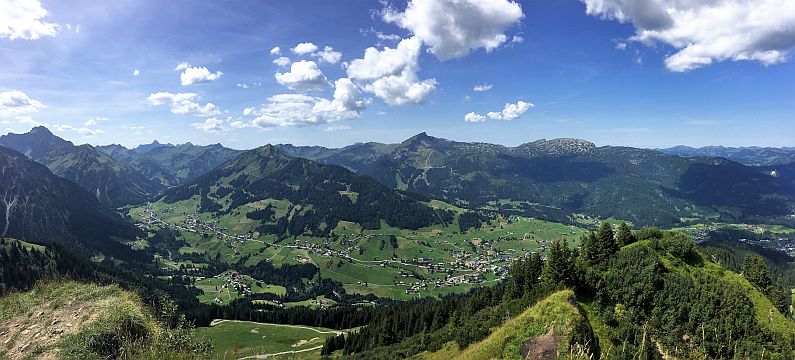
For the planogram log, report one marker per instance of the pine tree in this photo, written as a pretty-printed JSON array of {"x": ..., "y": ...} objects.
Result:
[
  {"x": 600, "y": 246},
  {"x": 559, "y": 267},
  {"x": 755, "y": 270},
  {"x": 624, "y": 235}
]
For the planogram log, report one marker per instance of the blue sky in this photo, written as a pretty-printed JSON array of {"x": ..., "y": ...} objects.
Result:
[{"x": 648, "y": 73}]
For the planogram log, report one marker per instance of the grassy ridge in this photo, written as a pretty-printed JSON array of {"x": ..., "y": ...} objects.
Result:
[
  {"x": 71, "y": 320},
  {"x": 553, "y": 321}
]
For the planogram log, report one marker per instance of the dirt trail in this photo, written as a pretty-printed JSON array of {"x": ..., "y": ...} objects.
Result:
[{"x": 39, "y": 330}]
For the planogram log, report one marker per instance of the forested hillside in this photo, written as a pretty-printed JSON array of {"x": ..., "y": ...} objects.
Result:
[
  {"x": 657, "y": 296},
  {"x": 319, "y": 195}
]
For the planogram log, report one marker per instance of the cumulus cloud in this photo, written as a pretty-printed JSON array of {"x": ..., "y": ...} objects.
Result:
[
  {"x": 452, "y": 28},
  {"x": 474, "y": 117},
  {"x": 482, "y": 87},
  {"x": 136, "y": 72},
  {"x": 182, "y": 66},
  {"x": 183, "y": 104},
  {"x": 209, "y": 125},
  {"x": 509, "y": 112},
  {"x": 276, "y": 51},
  {"x": 303, "y": 76},
  {"x": 14, "y": 102},
  {"x": 27, "y": 120},
  {"x": 24, "y": 19},
  {"x": 304, "y": 48},
  {"x": 703, "y": 32},
  {"x": 94, "y": 121},
  {"x": 391, "y": 74},
  {"x": 282, "y": 61},
  {"x": 328, "y": 55},
  {"x": 83, "y": 131},
  {"x": 198, "y": 75},
  {"x": 286, "y": 110}
]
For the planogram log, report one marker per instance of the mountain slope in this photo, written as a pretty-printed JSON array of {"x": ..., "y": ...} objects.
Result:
[
  {"x": 38, "y": 206},
  {"x": 36, "y": 143},
  {"x": 110, "y": 181},
  {"x": 319, "y": 195},
  {"x": 140, "y": 162},
  {"x": 556, "y": 177}
]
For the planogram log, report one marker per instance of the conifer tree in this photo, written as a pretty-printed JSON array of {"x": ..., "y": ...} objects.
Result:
[
  {"x": 624, "y": 235},
  {"x": 559, "y": 267}
]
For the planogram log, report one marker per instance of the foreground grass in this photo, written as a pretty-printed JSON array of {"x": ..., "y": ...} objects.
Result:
[
  {"x": 70, "y": 320},
  {"x": 555, "y": 318}
]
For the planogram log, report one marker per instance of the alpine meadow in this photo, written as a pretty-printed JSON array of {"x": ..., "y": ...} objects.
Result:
[{"x": 397, "y": 179}]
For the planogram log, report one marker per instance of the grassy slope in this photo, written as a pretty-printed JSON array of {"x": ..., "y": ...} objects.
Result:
[
  {"x": 235, "y": 339},
  {"x": 504, "y": 343},
  {"x": 59, "y": 320}
]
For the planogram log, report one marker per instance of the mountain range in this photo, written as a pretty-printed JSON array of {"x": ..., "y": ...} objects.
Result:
[
  {"x": 553, "y": 178},
  {"x": 752, "y": 155},
  {"x": 550, "y": 179}
]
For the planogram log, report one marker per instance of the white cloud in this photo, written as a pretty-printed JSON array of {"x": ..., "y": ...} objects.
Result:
[
  {"x": 482, "y": 87},
  {"x": 517, "y": 39},
  {"x": 328, "y": 55},
  {"x": 391, "y": 74},
  {"x": 509, "y": 112},
  {"x": 337, "y": 127},
  {"x": 387, "y": 37},
  {"x": 95, "y": 120},
  {"x": 83, "y": 131},
  {"x": 238, "y": 124},
  {"x": 27, "y": 120},
  {"x": 182, "y": 66},
  {"x": 303, "y": 76},
  {"x": 16, "y": 102},
  {"x": 304, "y": 48},
  {"x": 136, "y": 72},
  {"x": 23, "y": 19},
  {"x": 247, "y": 85},
  {"x": 249, "y": 111},
  {"x": 276, "y": 51},
  {"x": 703, "y": 32},
  {"x": 454, "y": 27},
  {"x": 183, "y": 104},
  {"x": 287, "y": 110},
  {"x": 198, "y": 75},
  {"x": 282, "y": 61},
  {"x": 209, "y": 125},
  {"x": 474, "y": 117},
  {"x": 348, "y": 101}
]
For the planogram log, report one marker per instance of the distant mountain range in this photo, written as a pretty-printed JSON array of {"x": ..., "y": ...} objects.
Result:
[
  {"x": 112, "y": 183},
  {"x": 553, "y": 178},
  {"x": 550, "y": 179},
  {"x": 169, "y": 164},
  {"x": 754, "y": 156},
  {"x": 118, "y": 176}
]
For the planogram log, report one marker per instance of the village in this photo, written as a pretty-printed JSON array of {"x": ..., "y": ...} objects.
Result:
[{"x": 477, "y": 262}]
